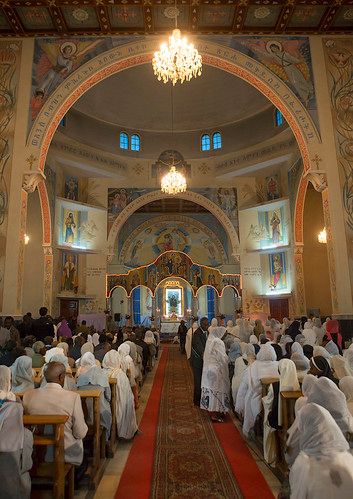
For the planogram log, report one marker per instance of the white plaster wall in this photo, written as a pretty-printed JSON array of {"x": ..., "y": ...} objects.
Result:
[{"x": 33, "y": 258}]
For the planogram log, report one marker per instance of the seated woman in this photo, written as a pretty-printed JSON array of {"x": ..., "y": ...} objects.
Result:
[
  {"x": 22, "y": 374},
  {"x": 288, "y": 381},
  {"x": 248, "y": 402},
  {"x": 129, "y": 368},
  {"x": 302, "y": 364},
  {"x": 16, "y": 443},
  {"x": 320, "y": 368},
  {"x": 90, "y": 376},
  {"x": 151, "y": 342},
  {"x": 346, "y": 386},
  {"x": 125, "y": 408},
  {"x": 340, "y": 367},
  {"x": 39, "y": 352},
  {"x": 242, "y": 361},
  {"x": 65, "y": 347},
  {"x": 215, "y": 376},
  {"x": 324, "y": 466}
]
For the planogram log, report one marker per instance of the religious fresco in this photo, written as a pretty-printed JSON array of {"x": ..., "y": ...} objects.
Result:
[
  {"x": 264, "y": 16},
  {"x": 160, "y": 234},
  {"x": 173, "y": 264},
  {"x": 224, "y": 198},
  {"x": 10, "y": 55},
  {"x": 80, "y": 226},
  {"x": 56, "y": 58},
  {"x": 273, "y": 187},
  {"x": 278, "y": 271},
  {"x": 69, "y": 273},
  {"x": 339, "y": 61},
  {"x": 268, "y": 229},
  {"x": 71, "y": 188}
]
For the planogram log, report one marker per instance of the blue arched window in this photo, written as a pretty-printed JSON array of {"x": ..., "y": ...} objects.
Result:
[
  {"x": 279, "y": 118},
  {"x": 135, "y": 142},
  {"x": 205, "y": 142},
  {"x": 124, "y": 140},
  {"x": 217, "y": 140}
]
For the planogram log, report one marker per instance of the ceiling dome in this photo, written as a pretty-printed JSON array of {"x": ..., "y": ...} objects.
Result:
[{"x": 134, "y": 99}]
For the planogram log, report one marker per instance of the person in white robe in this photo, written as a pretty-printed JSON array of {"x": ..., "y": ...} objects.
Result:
[
  {"x": 310, "y": 334},
  {"x": 231, "y": 328},
  {"x": 22, "y": 374},
  {"x": 346, "y": 386},
  {"x": 319, "y": 330},
  {"x": 240, "y": 365},
  {"x": 189, "y": 339},
  {"x": 16, "y": 443},
  {"x": 288, "y": 382},
  {"x": 125, "y": 406},
  {"x": 324, "y": 466},
  {"x": 248, "y": 401},
  {"x": 320, "y": 351},
  {"x": 348, "y": 355},
  {"x": 212, "y": 327},
  {"x": 215, "y": 383},
  {"x": 129, "y": 368},
  {"x": 340, "y": 367}
]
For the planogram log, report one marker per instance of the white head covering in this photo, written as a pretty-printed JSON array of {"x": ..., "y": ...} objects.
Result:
[
  {"x": 214, "y": 324},
  {"x": 348, "y": 355},
  {"x": 149, "y": 338},
  {"x": 22, "y": 374},
  {"x": 253, "y": 339},
  {"x": 340, "y": 366},
  {"x": 87, "y": 361},
  {"x": 346, "y": 386},
  {"x": 249, "y": 352},
  {"x": 297, "y": 348},
  {"x": 5, "y": 384},
  {"x": 64, "y": 346},
  {"x": 50, "y": 353},
  {"x": 112, "y": 362},
  {"x": 288, "y": 381},
  {"x": 322, "y": 352},
  {"x": 95, "y": 339},
  {"x": 230, "y": 324},
  {"x": 87, "y": 347},
  {"x": 266, "y": 353},
  {"x": 332, "y": 348},
  {"x": 325, "y": 393},
  {"x": 124, "y": 349}
]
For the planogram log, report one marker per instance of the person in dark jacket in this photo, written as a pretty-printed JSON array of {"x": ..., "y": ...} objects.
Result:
[
  {"x": 43, "y": 326},
  {"x": 198, "y": 344},
  {"x": 182, "y": 332}
]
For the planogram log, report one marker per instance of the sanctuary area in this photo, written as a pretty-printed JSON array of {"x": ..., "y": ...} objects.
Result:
[{"x": 176, "y": 248}]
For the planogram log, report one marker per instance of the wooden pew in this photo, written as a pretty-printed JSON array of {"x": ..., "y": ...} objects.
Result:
[
  {"x": 288, "y": 402},
  {"x": 96, "y": 469},
  {"x": 113, "y": 432},
  {"x": 58, "y": 470},
  {"x": 266, "y": 383}
]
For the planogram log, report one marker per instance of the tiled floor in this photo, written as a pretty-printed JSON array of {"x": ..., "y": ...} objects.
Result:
[{"x": 115, "y": 466}]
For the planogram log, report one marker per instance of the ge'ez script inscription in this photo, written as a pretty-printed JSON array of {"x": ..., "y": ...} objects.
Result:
[
  {"x": 252, "y": 271},
  {"x": 95, "y": 271}
]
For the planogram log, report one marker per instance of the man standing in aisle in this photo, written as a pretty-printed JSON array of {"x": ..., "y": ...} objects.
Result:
[
  {"x": 182, "y": 331},
  {"x": 198, "y": 344}
]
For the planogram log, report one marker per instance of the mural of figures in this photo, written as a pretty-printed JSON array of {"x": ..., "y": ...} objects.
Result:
[
  {"x": 69, "y": 278},
  {"x": 158, "y": 234},
  {"x": 275, "y": 223},
  {"x": 278, "y": 278},
  {"x": 70, "y": 226},
  {"x": 173, "y": 264},
  {"x": 272, "y": 227},
  {"x": 71, "y": 188},
  {"x": 272, "y": 187}
]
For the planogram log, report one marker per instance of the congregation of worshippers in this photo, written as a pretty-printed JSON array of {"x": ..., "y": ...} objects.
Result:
[
  {"x": 79, "y": 385},
  {"x": 290, "y": 387}
]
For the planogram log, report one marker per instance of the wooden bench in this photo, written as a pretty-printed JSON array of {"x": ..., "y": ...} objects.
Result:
[
  {"x": 113, "y": 404},
  {"x": 266, "y": 383},
  {"x": 288, "y": 402},
  {"x": 57, "y": 470}
]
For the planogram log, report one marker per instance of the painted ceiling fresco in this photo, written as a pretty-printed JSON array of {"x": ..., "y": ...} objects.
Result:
[{"x": 77, "y": 17}]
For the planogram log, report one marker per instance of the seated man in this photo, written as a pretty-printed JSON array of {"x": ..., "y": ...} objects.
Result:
[{"x": 53, "y": 399}]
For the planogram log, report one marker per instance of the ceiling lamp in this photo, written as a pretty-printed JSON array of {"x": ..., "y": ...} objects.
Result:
[
  {"x": 322, "y": 236},
  {"x": 173, "y": 182},
  {"x": 179, "y": 60}
]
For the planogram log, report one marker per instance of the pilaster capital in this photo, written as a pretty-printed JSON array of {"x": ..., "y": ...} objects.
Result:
[
  {"x": 318, "y": 178},
  {"x": 31, "y": 180}
]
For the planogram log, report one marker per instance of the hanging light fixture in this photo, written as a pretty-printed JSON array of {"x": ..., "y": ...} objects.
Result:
[
  {"x": 178, "y": 60},
  {"x": 173, "y": 182},
  {"x": 322, "y": 236}
]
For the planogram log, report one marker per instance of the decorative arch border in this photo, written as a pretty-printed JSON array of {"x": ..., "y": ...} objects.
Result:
[
  {"x": 176, "y": 218},
  {"x": 219, "y": 294},
  {"x": 299, "y": 211},
  {"x": 45, "y": 209},
  {"x": 188, "y": 195},
  {"x": 141, "y": 52}
]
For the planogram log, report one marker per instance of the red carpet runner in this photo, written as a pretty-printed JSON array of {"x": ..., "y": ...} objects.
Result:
[{"x": 189, "y": 460}]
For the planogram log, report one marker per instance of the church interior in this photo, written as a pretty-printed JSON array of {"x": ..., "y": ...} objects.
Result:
[{"x": 150, "y": 183}]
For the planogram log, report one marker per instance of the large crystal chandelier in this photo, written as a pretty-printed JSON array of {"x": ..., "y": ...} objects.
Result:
[
  {"x": 178, "y": 60},
  {"x": 173, "y": 182}
]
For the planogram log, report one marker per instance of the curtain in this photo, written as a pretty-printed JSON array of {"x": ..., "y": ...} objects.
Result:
[{"x": 210, "y": 303}]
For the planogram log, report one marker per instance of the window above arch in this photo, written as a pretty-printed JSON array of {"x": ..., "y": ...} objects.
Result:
[
  {"x": 217, "y": 140},
  {"x": 124, "y": 140},
  {"x": 135, "y": 142},
  {"x": 205, "y": 142}
]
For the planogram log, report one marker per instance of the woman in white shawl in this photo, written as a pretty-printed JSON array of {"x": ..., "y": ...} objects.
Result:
[
  {"x": 215, "y": 376},
  {"x": 16, "y": 443},
  {"x": 340, "y": 367},
  {"x": 346, "y": 386},
  {"x": 324, "y": 467},
  {"x": 248, "y": 400},
  {"x": 129, "y": 368},
  {"x": 89, "y": 376},
  {"x": 231, "y": 329},
  {"x": 22, "y": 374},
  {"x": 310, "y": 334},
  {"x": 288, "y": 382},
  {"x": 241, "y": 364},
  {"x": 319, "y": 330},
  {"x": 212, "y": 327},
  {"x": 125, "y": 408},
  {"x": 189, "y": 339},
  {"x": 320, "y": 351},
  {"x": 302, "y": 364}
]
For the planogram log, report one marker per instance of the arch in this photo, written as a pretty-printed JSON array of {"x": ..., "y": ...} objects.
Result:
[
  {"x": 141, "y": 52},
  {"x": 46, "y": 218},
  {"x": 171, "y": 278},
  {"x": 109, "y": 295},
  {"x": 299, "y": 211},
  {"x": 207, "y": 286},
  {"x": 188, "y": 195},
  {"x": 238, "y": 295}
]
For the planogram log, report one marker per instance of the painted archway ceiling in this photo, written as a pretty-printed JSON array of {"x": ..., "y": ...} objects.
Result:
[{"x": 102, "y": 17}]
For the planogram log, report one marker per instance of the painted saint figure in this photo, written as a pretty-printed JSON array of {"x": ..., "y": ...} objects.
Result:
[
  {"x": 275, "y": 223},
  {"x": 69, "y": 282},
  {"x": 69, "y": 226}
]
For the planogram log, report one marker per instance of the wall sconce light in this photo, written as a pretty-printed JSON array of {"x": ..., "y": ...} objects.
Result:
[
  {"x": 322, "y": 236},
  {"x": 26, "y": 239}
]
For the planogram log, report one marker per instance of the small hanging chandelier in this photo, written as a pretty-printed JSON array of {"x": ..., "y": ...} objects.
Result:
[
  {"x": 178, "y": 60},
  {"x": 173, "y": 182},
  {"x": 322, "y": 236}
]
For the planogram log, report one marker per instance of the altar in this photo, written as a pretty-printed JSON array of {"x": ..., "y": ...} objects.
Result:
[{"x": 169, "y": 328}]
